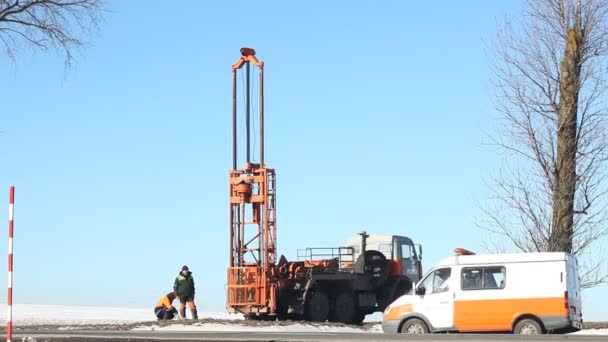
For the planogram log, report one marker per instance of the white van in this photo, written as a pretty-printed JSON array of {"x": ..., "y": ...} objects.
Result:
[{"x": 526, "y": 293}]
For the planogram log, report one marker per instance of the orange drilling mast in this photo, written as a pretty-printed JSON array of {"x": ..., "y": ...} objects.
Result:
[{"x": 251, "y": 284}]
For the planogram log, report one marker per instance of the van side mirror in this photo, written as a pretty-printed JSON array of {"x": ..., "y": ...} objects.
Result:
[
  {"x": 420, "y": 252},
  {"x": 420, "y": 290}
]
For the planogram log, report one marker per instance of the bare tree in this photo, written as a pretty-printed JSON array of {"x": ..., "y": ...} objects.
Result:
[
  {"x": 45, "y": 24},
  {"x": 551, "y": 91}
]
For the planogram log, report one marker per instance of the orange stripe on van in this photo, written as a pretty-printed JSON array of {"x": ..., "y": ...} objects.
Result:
[
  {"x": 499, "y": 314},
  {"x": 398, "y": 311}
]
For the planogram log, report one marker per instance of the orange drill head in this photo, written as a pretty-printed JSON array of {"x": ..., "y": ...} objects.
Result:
[{"x": 247, "y": 51}]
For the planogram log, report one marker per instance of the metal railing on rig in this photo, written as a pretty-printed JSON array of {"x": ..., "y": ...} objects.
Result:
[{"x": 345, "y": 256}]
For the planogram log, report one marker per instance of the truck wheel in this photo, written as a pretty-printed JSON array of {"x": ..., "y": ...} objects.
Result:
[
  {"x": 344, "y": 309},
  {"x": 359, "y": 317},
  {"x": 317, "y": 307},
  {"x": 281, "y": 312},
  {"x": 414, "y": 326},
  {"x": 527, "y": 326},
  {"x": 281, "y": 316}
]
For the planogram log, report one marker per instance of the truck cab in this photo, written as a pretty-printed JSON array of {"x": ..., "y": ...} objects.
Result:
[{"x": 405, "y": 258}]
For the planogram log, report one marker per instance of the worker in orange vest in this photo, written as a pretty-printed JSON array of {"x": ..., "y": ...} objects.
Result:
[{"x": 164, "y": 309}]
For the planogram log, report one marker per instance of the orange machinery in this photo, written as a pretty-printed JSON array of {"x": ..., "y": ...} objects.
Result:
[
  {"x": 251, "y": 284},
  {"x": 343, "y": 286}
]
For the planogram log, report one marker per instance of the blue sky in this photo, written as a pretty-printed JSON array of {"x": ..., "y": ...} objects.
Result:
[{"x": 376, "y": 117}]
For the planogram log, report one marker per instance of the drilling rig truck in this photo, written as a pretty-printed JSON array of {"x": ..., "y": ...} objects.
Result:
[{"x": 340, "y": 284}]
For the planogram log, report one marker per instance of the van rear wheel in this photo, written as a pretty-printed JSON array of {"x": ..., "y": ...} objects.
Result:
[
  {"x": 527, "y": 326},
  {"x": 414, "y": 326}
]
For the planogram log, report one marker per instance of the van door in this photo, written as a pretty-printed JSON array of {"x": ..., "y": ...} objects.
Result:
[
  {"x": 574, "y": 293},
  {"x": 481, "y": 303},
  {"x": 437, "y": 302}
]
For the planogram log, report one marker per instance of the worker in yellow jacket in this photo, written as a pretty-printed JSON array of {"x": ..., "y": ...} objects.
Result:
[{"x": 164, "y": 309}]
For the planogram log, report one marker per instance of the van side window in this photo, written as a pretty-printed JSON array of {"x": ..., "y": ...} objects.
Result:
[
  {"x": 442, "y": 280},
  {"x": 438, "y": 281},
  {"x": 427, "y": 283},
  {"x": 477, "y": 278},
  {"x": 471, "y": 278},
  {"x": 494, "y": 277}
]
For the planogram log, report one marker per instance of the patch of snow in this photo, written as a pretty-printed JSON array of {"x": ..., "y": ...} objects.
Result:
[
  {"x": 237, "y": 327},
  {"x": 376, "y": 328},
  {"x": 374, "y": 317},
  {"x": 35, "y": 314},
  {"x": 591, "y": 332}
]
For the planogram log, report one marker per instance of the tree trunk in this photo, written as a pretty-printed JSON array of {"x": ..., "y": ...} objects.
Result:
[{"x": 565, "y": 169}]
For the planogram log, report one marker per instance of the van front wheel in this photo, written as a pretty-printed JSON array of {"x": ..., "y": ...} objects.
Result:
[
  {"x": 527, "y": 326},
  {"x": 414, "y": 326}
]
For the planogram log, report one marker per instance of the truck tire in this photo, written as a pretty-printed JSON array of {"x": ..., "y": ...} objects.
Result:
[
  {"x": 414, "y": 326},
  {"x": 359, "y": 317},
  {"x": 527, "y": 326},
  {"x": 344, "y": 309},
  {"x": 281, "y": 313},
  {"x": 317, "y": 307}
]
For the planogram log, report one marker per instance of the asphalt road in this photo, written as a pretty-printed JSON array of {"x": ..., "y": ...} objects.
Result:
[{"x": 141, "y": 336}]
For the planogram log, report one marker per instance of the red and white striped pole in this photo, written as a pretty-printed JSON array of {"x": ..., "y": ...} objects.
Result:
[{"x": 9, "y": 301}]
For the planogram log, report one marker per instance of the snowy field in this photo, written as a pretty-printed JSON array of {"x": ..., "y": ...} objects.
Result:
[
  {"x": 88, "y": 317},
  {"x": 91, "y": 317},
  {"x": 33, "y": 314}
]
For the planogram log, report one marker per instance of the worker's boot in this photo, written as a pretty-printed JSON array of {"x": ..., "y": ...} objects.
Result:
[
  {"x": 182, "y": 313},
  {"x": 194, "y": 313}
]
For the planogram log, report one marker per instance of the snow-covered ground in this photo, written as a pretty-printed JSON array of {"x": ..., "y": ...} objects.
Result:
[
  {"x": 592, "y": 332},
  {"x": 73, "y": 317},
  {"x": 34, "y": 314},
  {"x": 67, "y": 317},
  {"x": 291, "y": 327}
]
